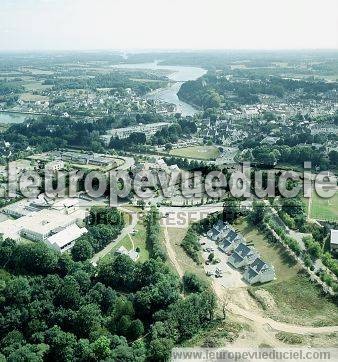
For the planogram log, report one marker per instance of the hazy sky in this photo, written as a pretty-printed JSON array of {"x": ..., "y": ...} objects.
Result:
[{"x": 161, "y": 24}]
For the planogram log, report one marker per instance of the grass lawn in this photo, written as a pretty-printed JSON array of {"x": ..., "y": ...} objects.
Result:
[
  {"x": 139, "y": 240},
  {"x": 324, "y": 209},
  {"x": 297, "y": 300},
  {"x": 133, "y": 241},
  {"x": 197, "y": 152},
  {"x": 29, "y": 97},
  {"x": 126, "y": 242},
  {"x": 176, "y": 235},
  {"x": 35, "y": 85},
  {"x": 273, "y": 254},
  {"x": 301, "y": 302}
]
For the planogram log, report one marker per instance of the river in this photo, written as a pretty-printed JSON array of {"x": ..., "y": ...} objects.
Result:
[{"x": 178, "y": 75}]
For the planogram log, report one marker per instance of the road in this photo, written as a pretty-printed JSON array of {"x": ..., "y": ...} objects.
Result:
[
  {"x": 181, "y": 217},
  {"x": 275, "y": 325},
  {"x": 171, "y": 253},
  {"x": 128, "y": 162},
  {"x": 127, "y": 230}
]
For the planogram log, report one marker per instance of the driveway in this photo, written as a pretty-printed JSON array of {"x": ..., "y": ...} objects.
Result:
[{"x": 231, "y": 278}]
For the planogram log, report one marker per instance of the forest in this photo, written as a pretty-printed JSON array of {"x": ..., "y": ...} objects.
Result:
[{"x": 55, "y": 307}]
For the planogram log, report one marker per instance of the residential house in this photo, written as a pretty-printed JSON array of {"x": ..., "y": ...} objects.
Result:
[
  {"x": 55, "y": 165},
  {"x": 218, "y": 230},
  {"x": 243, "y": 255},
  {"x": 134, "y": 255},
  {"x": 259, "y": 272},
  {"x": 230, "y": 241}
]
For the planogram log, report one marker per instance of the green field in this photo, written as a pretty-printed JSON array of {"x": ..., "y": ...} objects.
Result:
[
  {"x": 297, "y": 300},
  {"x": 139, "y": 240},
  {"x": 273, "y": 253},
  {"x": 324, "y": 209},
  {"x": 176, "y": 236},
  {"x": 136, "y": 240},
  {"x": 301, "y": 302},
  {"x": 197, "y": 152}
]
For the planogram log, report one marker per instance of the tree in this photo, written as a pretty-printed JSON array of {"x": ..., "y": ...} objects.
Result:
[
  {"x": 211, "y": 257},
  {"x": 136, "y": 329},
  {"x": 191, "y": 245},
  {"x": 192, "y": 284},
  {"x": 333, "y": 156},
  {"x": 68, "y": 295},
  {"x": 88, "y": 319},
  {"x": 35, "y": 258},
  {"x": 101, "y": 348},
  {"x": 83, "y": 350},
  {"x": 82, "y": 249},
  {"x": 231, "y": 209},
  {"x": 293, "y": 206},
  {"x": 256, "y": 217},
  {"x": 122, "y": 325},
  {"x": 119, "y": 273},
  {"x": 17, "y": 291},
  {"x": 160, "y": 349},
  {"x": 61, "y": 344},
  {"x": 29, "y": 352},
  {"x": 168, "y": 147},
  {"x": 102, "y": 235}
]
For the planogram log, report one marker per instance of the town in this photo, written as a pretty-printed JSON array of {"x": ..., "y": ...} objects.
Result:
[{"x": 129, "y": 226}]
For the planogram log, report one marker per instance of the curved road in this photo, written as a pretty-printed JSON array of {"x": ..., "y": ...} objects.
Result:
[{"x": 275, "y": 325}]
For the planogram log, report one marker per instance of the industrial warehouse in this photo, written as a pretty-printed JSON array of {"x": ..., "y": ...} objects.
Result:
[{"x": 58, "y": 224}]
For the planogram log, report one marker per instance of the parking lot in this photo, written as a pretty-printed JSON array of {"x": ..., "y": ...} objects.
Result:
[{"x": 227, "y": 276}]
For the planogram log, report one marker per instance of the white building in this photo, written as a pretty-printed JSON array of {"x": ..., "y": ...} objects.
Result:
[
  {"x": 148, "y": 129},
  {"x": 65, "y": 239},
  {"x": 134, "y": 255},
  {"x": 56, "y": 165},
  {"x": 39, "y": 226},
  {"x": 334, "y": 241}
]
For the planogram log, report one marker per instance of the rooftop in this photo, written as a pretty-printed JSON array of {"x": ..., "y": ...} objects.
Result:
[
  {"x": 66, "y": 235},
  {"x": 334, "y": 237}
]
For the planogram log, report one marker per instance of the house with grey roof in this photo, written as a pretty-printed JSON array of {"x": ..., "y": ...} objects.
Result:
[
  {"x": 243, "y": 255},
  {"x": 218, "y": 230},
  {"x": 230, "y": 241},
  {"x": 259, "y": 272}
]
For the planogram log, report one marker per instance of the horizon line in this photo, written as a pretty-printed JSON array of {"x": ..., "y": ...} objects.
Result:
[{"x": 152, "y": 50}]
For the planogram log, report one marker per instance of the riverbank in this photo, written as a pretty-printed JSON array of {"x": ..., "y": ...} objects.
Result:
[{"x": 177, "y": 75}]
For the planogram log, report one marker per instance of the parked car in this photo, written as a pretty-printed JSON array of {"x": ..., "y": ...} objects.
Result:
[{"x": 218, "y": 271}]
